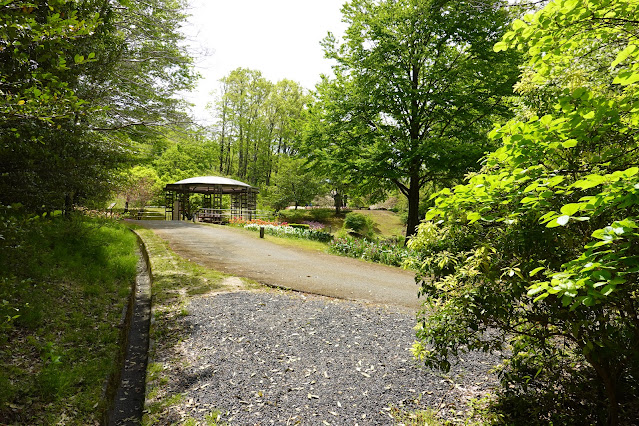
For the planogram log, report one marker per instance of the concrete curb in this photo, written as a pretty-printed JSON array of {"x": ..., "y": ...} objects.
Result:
[{"x": 125, "y": 390}]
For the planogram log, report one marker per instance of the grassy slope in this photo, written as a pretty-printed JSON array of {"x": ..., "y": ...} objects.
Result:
[
  {"x": 69, "y": 281},
  {"x": 387, "y": 223}
]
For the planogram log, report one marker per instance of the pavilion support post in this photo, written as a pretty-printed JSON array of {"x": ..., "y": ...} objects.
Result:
[
  {"x": 169, "y": 199},
  {"x": 252, "y": 203}
]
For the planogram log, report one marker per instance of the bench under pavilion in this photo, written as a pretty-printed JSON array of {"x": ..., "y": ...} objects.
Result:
[{"x": 243, "y": 199}]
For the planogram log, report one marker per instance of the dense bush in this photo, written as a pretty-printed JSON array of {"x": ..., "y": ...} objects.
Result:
[
  {"x": 293, "y": 216},
  {"x": 359, "y": 224},
  {"x": 321, "y": 215},
  {"x": 306, "y": 215},
  {"x": 540, "y": 249}
]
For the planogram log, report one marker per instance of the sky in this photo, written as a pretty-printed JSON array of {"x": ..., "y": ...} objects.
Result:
[{"x": 280, "y": 38}]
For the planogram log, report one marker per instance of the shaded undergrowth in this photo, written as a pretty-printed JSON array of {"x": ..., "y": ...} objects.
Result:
[{"x": 63, "y": 286}]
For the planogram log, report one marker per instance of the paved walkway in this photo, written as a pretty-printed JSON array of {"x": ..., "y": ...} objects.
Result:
[{"x": 244, "y": 254}]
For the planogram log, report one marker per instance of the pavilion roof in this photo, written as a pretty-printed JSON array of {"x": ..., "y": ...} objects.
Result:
[{"x": 206, "y": 184}]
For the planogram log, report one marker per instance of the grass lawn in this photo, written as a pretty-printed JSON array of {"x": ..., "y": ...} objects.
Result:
[
  {"x": 387, "y": 223},
  {"x": 64, "y": 283},
  {"x": 285, "y": 241}
]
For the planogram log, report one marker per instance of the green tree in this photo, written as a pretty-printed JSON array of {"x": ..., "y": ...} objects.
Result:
[
  {"x": 81, "y": 83},
  {"x": 140, "y": 65},
  {"x": 416, "y": 86},
  {"x": 243, "y": 132},
  {"x": 293, "y": 185},
  {"x": 188, "y": 156},
  {"x": 541, "y": 246},
  {"x": 258, "y": 122},
  {"x": 37, "y": 46},
  {"x": 141, "y": 187}
]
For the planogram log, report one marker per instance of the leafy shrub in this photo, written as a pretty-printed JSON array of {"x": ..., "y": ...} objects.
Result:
[
  {"x": 321, "y": 215},
  {"x": 299, "y": 225},
  {"x": 359, "y": 224},
  {"x": 293, "y": 216},
  {"x": 355, "y": 221},
  {"x": 540, "y": 249}
]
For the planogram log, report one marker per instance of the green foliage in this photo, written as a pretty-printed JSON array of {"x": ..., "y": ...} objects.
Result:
[
  {"x": 293, "y": 185},
  {"x": 65, "y": 284},
  {"x": 359, "y": 224},
  {"x": 293, "y": 215},
  {"x": 389, "y": 252},
  {"x": 321, "y": 215},
  {"x": 83, "y": 85},
  {"x": 416, "y": 86},
  {"x": 46, "y": 36},
  {"x": 258, "y": 123},
  {"x": 540, "y": 249},
  {"x": 187, "y": 154},
  {"x": 141, "y": 187},
  {"x": 301, "y": 215}
]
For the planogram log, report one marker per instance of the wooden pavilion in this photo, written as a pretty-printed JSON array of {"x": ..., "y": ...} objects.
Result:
[{"x": 243, "y": 203}]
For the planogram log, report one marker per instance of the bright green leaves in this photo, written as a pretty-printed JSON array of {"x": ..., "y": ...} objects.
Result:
[
  {"x": 570, "y": 143},
  {"x": 629, "y": 51},
  {"x": 557, "y": 35},
  {"x": 604, "y": 265},
  {"x": 628, "y": 74},
  {"x": 558, "y": 202},
  {"x": 565, "y": 168},
  {"x": 627, "y": 77},
  {"x": 39, "y": 39},
  {"x": 590, "y": 181}
]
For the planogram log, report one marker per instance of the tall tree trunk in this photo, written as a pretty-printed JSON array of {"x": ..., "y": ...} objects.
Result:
[
  {"x": 413, "y": 206},
  {"x": 609, "y": 379},
  {"x": 246, "y": 155},
  {"x": 338, "y": 202},
  {"x": 228, "y": 158},
  {"x": 68, "y": 205},
  {"x": 222, "y": 139},
  {"x": 240, "y": 160}
]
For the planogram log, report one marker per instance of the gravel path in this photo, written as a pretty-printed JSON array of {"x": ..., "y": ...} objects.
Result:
[{"x": 284, "y": 358}]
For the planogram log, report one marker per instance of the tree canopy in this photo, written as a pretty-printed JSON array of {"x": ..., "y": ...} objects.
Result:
[
  {"x": 258, "y": 122},
  {"x": 82, "y": 84},
  {"x": 416, "y": 85}
]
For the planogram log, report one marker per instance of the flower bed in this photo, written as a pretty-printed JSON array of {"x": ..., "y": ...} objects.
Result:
[
  {"x": 241, "y": 222},
  {"x": 284, "y": 230},
  {"x": 385, "y": 251}
]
